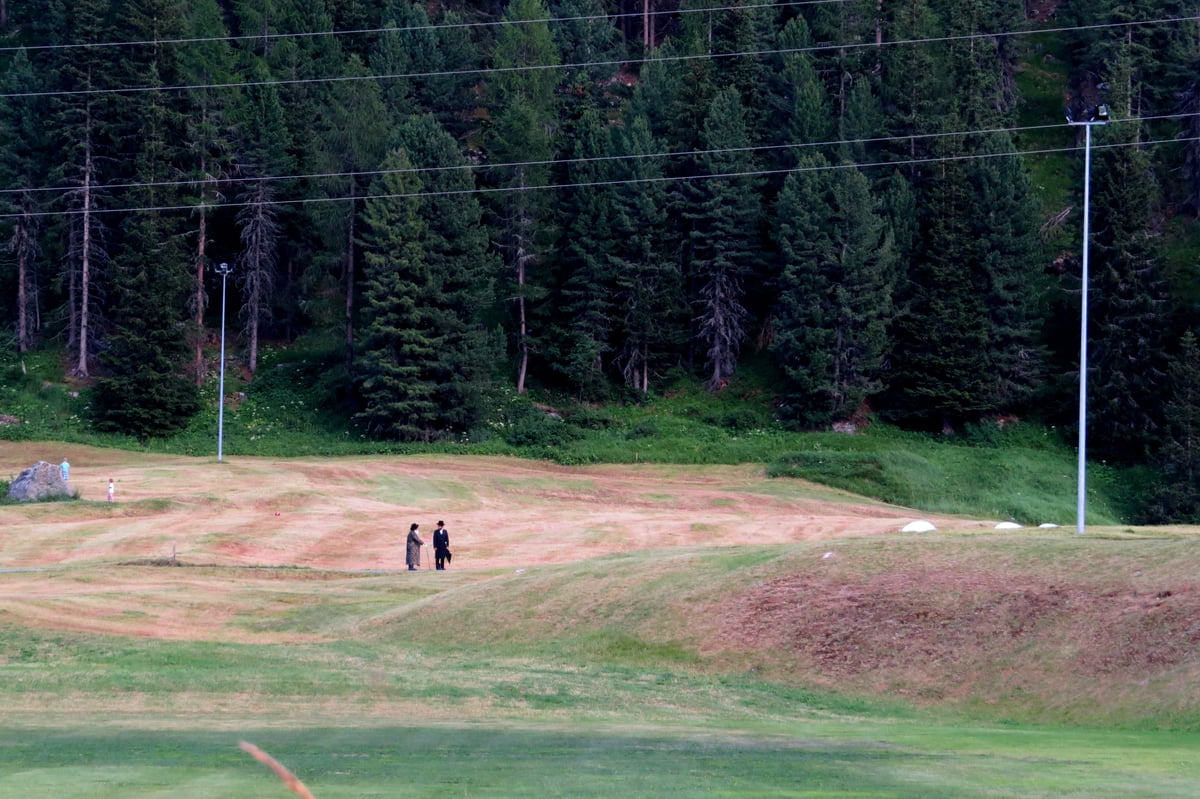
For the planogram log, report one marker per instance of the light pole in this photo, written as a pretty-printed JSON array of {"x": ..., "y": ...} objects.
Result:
[
  {"x": 223, "y": 269},
  {"x": 1096, "y": 115}
]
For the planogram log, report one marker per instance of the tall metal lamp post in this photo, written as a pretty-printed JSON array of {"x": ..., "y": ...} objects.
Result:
[
  {"x": 1087, "y": 119},
  {"x": 223, "y": 269}
]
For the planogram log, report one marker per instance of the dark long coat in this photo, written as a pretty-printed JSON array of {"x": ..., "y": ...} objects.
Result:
[{"x": 413, "y": 554}]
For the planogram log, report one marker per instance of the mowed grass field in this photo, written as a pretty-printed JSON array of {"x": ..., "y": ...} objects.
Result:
[{"x": 602, "y": 631}]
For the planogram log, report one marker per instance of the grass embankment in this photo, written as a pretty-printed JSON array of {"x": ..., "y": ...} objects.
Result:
[
  {"x": 1022, "y": 472},
  {"x": 1032, "y": 628},
  {"x": 893, "y": 668}
]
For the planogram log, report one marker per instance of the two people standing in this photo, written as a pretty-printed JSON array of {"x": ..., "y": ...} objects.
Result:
[
  {"x": 64, "y": 469},
  {"x": 441, "y": 546}
]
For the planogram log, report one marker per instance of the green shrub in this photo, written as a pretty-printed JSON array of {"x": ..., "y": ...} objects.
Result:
[
  {"x": 837, "y": 468},
  {"x": 739, "y": 418},
  {"x": 590, "y": 418},
  {"x": 538, "y": 429},
  {"x": 647, "y": 428}
]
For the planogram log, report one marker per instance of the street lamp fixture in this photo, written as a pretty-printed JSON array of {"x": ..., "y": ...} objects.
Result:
[
  {"x": 1087, "y": 119},
  {"x": 223, "y": 269}
]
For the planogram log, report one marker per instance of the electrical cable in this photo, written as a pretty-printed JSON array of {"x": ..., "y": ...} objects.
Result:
[
  {"x": 578, "y": 65},
  {"x": 256, "y": 180},
  {"x": 416, "y": 28},
  {"x": 589, "y": 184}
]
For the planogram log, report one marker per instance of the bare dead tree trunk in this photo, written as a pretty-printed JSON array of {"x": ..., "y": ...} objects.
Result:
[
  {"x": 524, "y": 255},
  {"x": 253, "y": 359},
  {"x": 22, "y": 301},
  {"x": 647, "y": 27},
  {"x": 260, "y": 232},
  {"x": 645, "y": 382},
  {"x": 523, "y": 333},
  {"x": 72, "y": 293},
  {"x": 350, "y": 267},
  {"x": 198, "y": 298},
  {"x": 81, "y": 366},
  {"x": 23, "y": 245}
]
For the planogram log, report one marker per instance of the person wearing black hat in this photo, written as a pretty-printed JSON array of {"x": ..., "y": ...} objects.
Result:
[{"x": 441, "y": 545}]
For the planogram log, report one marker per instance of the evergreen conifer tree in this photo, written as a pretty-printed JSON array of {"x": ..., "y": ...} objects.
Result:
[
  {"x": 265, "y": 155},
  {"x": 586, "y": 309},
  {"x": 83, "y": 123},
  {"x": 725, "y": 245},
  {"x": 649, "y": 293},
  {"x": 1178, "y": 495},
  {"x": 521, "y": 137},
  {"x": 462, "y": 273},
  {"x": 941, "y": 365},
  {"x": 205, "y": 65},
  {"x": 394, "y": 370},
  {"x": 144, "y": 392},
  {"x": 836, "y": 302},
  {"x": 21, "y": 168}
]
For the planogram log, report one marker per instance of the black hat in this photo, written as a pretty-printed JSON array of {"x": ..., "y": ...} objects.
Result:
[{"x": 440, "y": 522}]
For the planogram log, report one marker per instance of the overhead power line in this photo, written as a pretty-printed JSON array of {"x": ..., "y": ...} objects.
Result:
[
  {"x": 596, "y": 184},
  {"x": 654, "y": 59},
  {"x": 474, "y": 167},
  {"x": 260, "y": 37}
]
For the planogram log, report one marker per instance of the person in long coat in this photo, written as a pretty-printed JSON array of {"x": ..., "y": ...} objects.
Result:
[{"x": 412, "y": 554}]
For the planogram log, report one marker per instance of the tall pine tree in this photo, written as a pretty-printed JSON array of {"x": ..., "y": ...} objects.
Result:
[
  {"x": 725, "y": 246},
  {"x": 144, "y": 392},
  {"x": 394, "y": 371},
  {"x": 836, "y": 301},
  {"x": 522, "y": 93}
]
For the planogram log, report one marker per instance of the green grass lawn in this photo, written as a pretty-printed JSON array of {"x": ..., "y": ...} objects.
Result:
[
  {"x": 576, "y": 680},
  {"x": 851, "y": 756}
]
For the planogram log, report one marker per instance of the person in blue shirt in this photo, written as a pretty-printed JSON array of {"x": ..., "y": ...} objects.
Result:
[{"x": 65, "y": 468}]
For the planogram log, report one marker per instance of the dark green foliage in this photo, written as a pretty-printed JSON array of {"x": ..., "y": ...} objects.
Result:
[
  {"x": 521, "y": 424},
  {"x": 1177, "y": 497},
  {"x": 1002, "y": 229},
  {"x": 649, "y": 299},
  {"x": 799, "y": 109},
  {"x": 725, "y": 240},
  {"x": 21, "y": 169},
  {"x": 940, "y": 372},
  {"x": 400, "y": 342},
  {"x": 409, "y": 49},
  {"x": 143, "y": 392},
  {"x": 1126, "y": 357},
  {"x": 837, "y": 302},
  {"x": 521, "y": 136},
  {"x": 425, "y": 357},
  {"x": 462, "y": 273},
  {"x": 587, "y": 311}
]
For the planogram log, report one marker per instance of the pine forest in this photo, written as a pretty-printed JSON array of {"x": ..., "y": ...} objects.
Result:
[{"x": 883, "y": 199}]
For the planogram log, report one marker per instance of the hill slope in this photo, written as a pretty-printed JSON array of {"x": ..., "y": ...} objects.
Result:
[{"x": 717, "y": 570}]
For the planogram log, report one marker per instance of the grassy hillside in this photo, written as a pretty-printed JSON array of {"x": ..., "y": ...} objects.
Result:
[
  {"x": 692, "y": 631},
  {"x": 1021, "y": 471},
  {"x": 1031, "y": 628}
]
